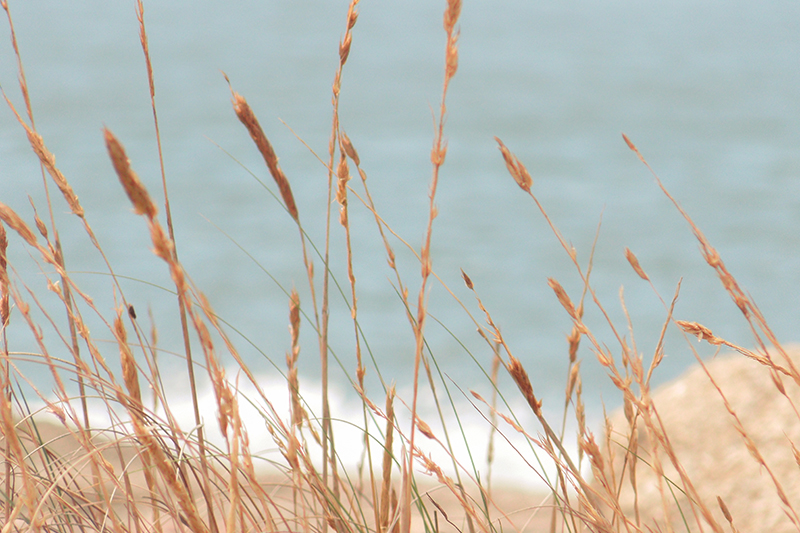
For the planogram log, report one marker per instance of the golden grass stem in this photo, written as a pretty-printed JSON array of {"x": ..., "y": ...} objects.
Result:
[
  {"x": 438, "y": 153},
  {"x": 187, "y": 348},
  {"x": 328, "y": 446}
]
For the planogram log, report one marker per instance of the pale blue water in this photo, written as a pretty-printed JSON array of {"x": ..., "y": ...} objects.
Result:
[{"x": 707, "y": 90}]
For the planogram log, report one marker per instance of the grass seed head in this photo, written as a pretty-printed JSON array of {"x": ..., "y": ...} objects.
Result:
[
  {"x": 563, "y": 298},
  {"x": 467, "y": 280},
  {"x": 725, "y": 511},
  {"x": 343, "y": 173},
  {"x": 425, "y": 429},
  {"x": 344, "y": 48},
  {"x": 520, "y": 377},
  {"x": 635, "y": 264},
  {"x": 349, "y": 150},
  {"x": 580, "y": 410},
  {"x": 162, "y": 245},
  {"x": 438, "y": 155},
  {"x": 49, "y": 161},
  {"x": 248, "y": 118},
  {"x": 633, "y": 147},
  {"x": 591, "y": 449},
  {"x": 700, "y": 331},
  {"x": 515, "y": 167},
  {"x": 294, "y": 316},
  {"x": 574, "y": 374},
  {"x": 795, "y": 453},
  {"x": 451, "y": 57},
  {"x": 574, "y": 340},
  {"x": 351, "y": 20},
  {"x": 40, "y": 226},
  {"x": 13, "y": 221},
  {"x": 451, "y": 15},
  {"x": 129, "y": 373},
  {"x": 3, "y": 257},
  {"x": 136, "y": 191}
]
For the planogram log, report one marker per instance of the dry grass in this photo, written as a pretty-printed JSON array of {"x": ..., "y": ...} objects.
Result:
[{"x": 146, "y": 472}]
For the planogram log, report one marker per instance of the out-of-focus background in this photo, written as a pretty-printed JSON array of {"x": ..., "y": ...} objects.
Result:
[{"x": 708, "y": 91}]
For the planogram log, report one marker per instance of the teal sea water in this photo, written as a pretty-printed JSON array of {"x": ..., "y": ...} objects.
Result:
[{"x": 708, "y": 91}]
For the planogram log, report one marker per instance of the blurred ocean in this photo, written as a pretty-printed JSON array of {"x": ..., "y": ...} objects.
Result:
[{"x": 708, "y": 91}]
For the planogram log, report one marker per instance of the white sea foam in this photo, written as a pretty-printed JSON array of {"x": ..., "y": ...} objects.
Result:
[{"x": 517, "y": 460}]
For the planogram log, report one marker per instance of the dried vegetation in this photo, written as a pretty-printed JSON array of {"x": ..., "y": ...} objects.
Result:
[{"x": 148, "y": 473}]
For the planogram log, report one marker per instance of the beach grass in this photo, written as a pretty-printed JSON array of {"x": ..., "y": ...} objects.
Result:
[{"x": 146, "y": 471}]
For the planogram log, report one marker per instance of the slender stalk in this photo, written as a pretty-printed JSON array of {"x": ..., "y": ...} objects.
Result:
[
  {"x": 438, "y": 153},
  {"x": 328, "y": 445},
  {"x": 187, "y": 347}
]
